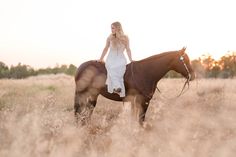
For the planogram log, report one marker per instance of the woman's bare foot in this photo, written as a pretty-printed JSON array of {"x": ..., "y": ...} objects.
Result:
[{"x": 117, "y": 91}]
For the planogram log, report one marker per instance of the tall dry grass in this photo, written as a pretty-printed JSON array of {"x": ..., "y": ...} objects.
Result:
[{"x": 36, "y": 119}]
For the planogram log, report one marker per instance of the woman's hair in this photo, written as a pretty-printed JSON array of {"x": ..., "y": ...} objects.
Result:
[{"x": 119, "y": 37}]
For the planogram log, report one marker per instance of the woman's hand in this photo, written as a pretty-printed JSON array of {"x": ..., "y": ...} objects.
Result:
[{"x": 100, "y": 60}]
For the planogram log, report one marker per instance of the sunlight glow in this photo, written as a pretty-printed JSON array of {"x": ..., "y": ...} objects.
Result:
[{"x": 48, "y": 32}]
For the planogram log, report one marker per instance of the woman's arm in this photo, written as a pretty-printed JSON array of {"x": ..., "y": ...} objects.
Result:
[
  {"x": 128, "y": 50},
  {"x": 104, "y": 52}
]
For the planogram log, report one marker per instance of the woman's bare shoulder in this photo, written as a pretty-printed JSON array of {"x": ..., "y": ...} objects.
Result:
[
  {"x": 109, "y": 38},
  {"x": 125, "y": 37}
]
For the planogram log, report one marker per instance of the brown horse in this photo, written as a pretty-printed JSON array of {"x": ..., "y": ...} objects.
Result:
[{"x": 140, "y": 79}]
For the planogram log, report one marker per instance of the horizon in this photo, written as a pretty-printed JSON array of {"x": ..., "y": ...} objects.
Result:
[
  {"x": 50, "y": 32},
  {"x": 67, "y": 64}
]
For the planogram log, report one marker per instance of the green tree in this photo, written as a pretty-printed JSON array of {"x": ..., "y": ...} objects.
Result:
[
  {"x": 208, "y": 63},
  {"x": 4, "y": 70},
  {"x": 20, "y": 71},
  {"x": 71, "y": 70},
  {"x": 215, "y": 70},
  {"x": 228, "y": 64},
  {"x": 62, "y": 69}
]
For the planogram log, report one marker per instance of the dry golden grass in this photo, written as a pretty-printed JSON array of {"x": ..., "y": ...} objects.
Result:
[{"x": 36, "y": 119}]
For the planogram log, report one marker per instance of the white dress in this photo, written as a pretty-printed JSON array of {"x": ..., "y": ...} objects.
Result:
[{"x": 116, "y": 66}]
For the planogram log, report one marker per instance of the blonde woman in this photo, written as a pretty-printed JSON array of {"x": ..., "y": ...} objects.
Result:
[{"x": 116, "y": 62}]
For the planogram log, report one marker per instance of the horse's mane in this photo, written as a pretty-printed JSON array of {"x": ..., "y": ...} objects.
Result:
[{"x": 158, "y": 56}]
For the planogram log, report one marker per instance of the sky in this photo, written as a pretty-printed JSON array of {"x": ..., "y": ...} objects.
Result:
[{"x": 45, "y": 33}]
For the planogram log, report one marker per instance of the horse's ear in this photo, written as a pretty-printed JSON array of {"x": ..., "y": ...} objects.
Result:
[{"x": 182, "y": 51}]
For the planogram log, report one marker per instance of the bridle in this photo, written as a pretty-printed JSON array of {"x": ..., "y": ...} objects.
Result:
[{"x": 181, "y": 58}]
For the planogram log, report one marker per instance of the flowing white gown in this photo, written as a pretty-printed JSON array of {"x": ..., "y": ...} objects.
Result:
[{"x": 116, "y": 66}]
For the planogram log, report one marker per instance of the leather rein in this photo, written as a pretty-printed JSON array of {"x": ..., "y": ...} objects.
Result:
[{"x": 181, "y": 58}]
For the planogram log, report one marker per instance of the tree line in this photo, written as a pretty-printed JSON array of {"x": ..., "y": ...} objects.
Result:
[
  {"x": 22, "y": 71},
  {"x": 210, "y": 68},
  {"x": 205, "y": 67}
]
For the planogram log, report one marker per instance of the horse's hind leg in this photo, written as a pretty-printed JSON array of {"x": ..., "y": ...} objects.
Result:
[
  {"x": 142, "y": 115},
  {"x": 84, "y": 105},
  {"x": 77, "y": 105}
]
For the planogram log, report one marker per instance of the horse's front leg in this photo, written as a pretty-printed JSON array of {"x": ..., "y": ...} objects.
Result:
[
  {"x": 139, "y": 108},
  {"x": 144, "y": 107}
]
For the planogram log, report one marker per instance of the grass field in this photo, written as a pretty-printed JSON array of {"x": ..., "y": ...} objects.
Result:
[{"x": 37, "y": 119}]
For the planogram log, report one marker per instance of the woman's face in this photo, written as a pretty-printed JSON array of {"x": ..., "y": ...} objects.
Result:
[{"x": 113, "y": 29}]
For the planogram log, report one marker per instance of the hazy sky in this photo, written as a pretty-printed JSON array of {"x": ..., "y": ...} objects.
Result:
[{"x": 44, "y": 33}]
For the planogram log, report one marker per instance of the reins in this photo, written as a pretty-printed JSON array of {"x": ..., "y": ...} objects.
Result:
[
  {"x": 182, "y": 91},
  {"x": 186, "y": 82}
]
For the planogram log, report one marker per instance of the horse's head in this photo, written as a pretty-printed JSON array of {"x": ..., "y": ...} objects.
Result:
[{"x": 181, "y": 64}]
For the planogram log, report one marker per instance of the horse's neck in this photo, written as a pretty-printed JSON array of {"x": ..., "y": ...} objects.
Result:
[{"x": 157, "y": 68}]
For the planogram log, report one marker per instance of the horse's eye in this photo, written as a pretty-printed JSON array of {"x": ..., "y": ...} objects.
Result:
[{"x": 181, "y": 58}]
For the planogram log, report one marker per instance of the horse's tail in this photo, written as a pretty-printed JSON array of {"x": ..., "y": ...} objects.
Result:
[
  {"x": 89, "y": 75},
  {"x": 85, "y": 75},
  {"x": 81, "y": 69},
  {"x": 89, "y": 78},
  {"x": 83, "y": 78}
]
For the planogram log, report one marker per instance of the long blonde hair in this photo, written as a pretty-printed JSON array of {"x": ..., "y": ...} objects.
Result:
[{"x": 119, "y": 37}]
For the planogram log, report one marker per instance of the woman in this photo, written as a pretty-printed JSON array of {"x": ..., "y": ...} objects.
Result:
[{"x": 116, "y": 61}]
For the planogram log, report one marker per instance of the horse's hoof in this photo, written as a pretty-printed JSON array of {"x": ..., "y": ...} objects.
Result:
[{"x": 147, "y": 126}]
